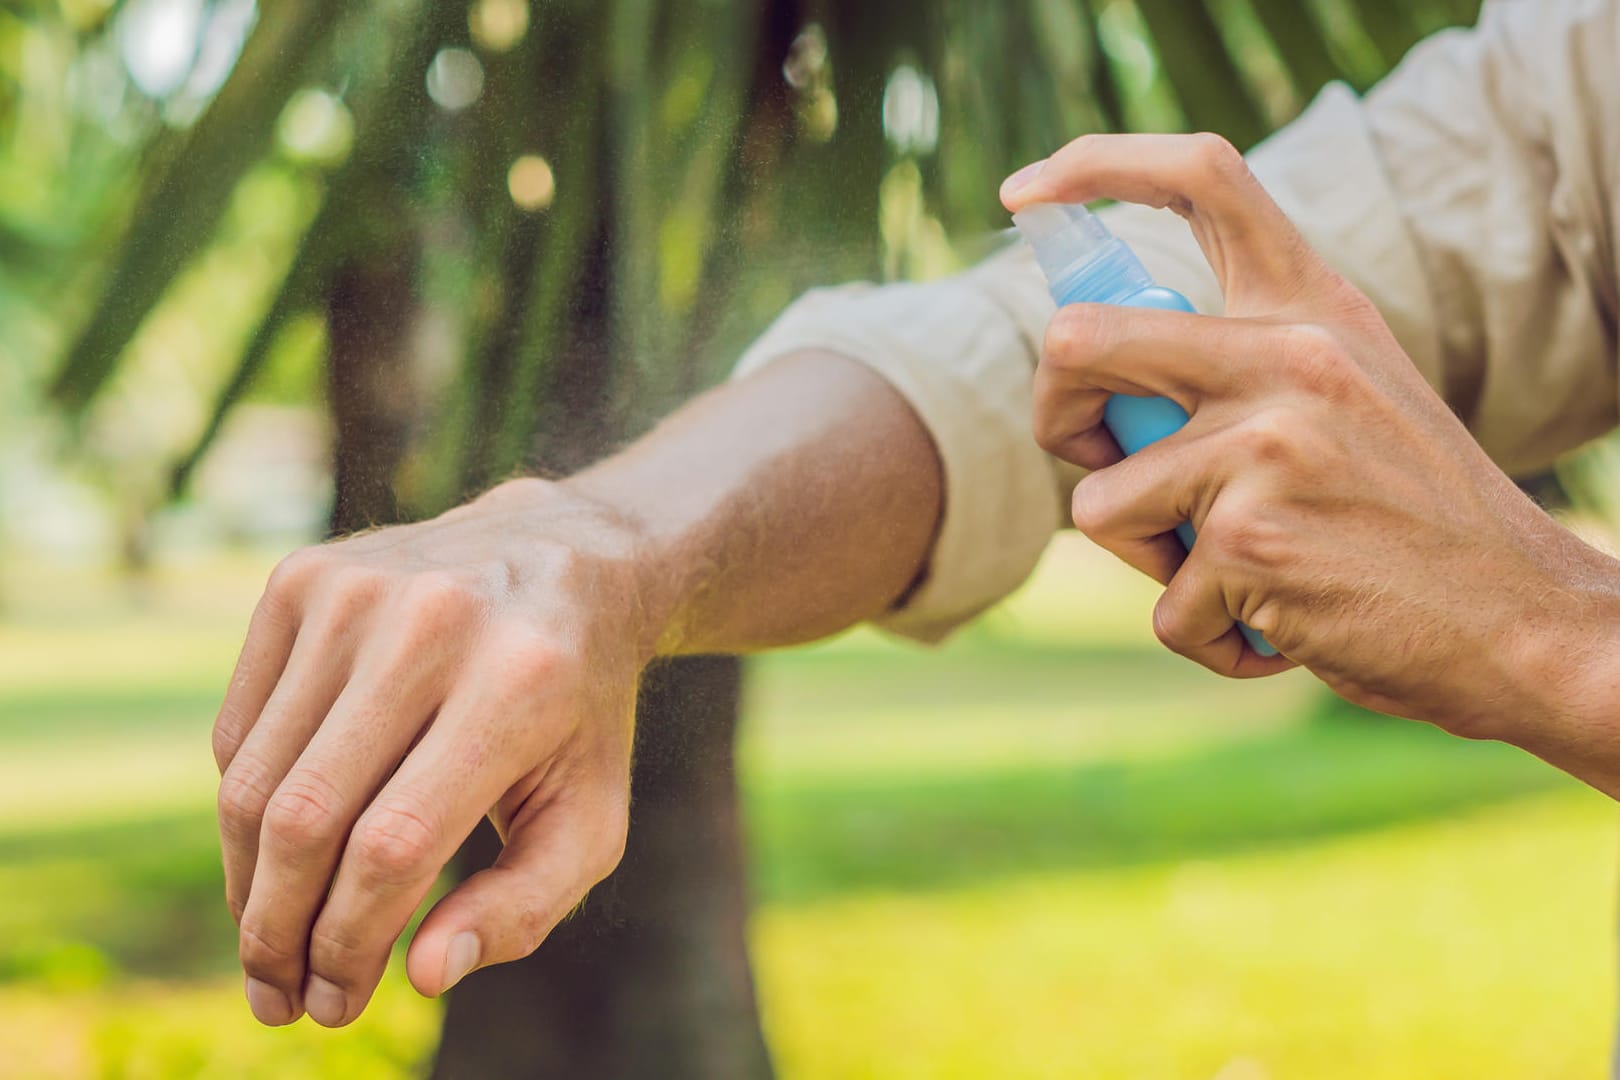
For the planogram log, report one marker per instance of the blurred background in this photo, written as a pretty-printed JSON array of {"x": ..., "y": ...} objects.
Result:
[{"x": 273, "y": 270}]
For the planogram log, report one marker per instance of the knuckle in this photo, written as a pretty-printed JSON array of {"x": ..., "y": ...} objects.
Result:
[
  {"x": 244, "y": 792},
  {"x": 1296, "y": 450},
  {"x": 302, "y": 813},
  {"x": 264, "y": 957},
  {"x": 225, "y": 740},
  {"x": 1242, "y": 534},
  {"x": 337, "y": 951},
  {"x": 394, "y": 843},
  {"x": 527, "y": 659},
  {"x": 1318, "y": 360},
  {"x": 1170, "y": 627},
  {"x": 1074, "y": 155},
  {"x": 1050, "y": 432},
  {"x": 1271, "y": 437},
  {"x": 355, "y": 589},
  {"x": 1076, "y": 334},
  {"x": 293, "y": 574},
  {"x": 1352, "y": 306},
  {"x": 1092, "y": 508},
  {"x": 1079, "y": 147},
  {"x": 1216, "y": 157},
  {"x": 1248, "y": 542},
  {"x": 439, "y": 599},
  {"x": 1265, "y": 618}
]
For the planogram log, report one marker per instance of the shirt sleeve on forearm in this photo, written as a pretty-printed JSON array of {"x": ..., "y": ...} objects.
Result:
[
  {"x": 964, "y": 365},
  {"x": 1501, "y": 146},
  {"x": 1469, "y": 196},
  {"x": 962, "y": 351}
]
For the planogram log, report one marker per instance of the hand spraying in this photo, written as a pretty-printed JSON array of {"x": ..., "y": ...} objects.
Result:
[{"x": 1085, "y": 263}]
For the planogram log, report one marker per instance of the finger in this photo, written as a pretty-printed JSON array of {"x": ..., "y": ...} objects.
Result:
[
  {"x": 1067, "y": 413},
  {"x": 269, "y": 643},
  {"x": 314, "y": 676},
  {"x": 1194, "y": 618},
  {"x": 1131, "y": 509},
  {"x": 444, "y": 787},
  {"x": 505, "y": 912},
  {"x": 368, "y": 731},
  {"x": 1094, "y": 351},
  {"x": 384, "y": 708},
  {"x": 394, "y": 854},
  {"x": 1259, "y": 257}
]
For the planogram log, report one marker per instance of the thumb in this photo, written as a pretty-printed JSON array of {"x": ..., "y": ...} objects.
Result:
[
  {"x": 1260, "y": 258},
  {"x": 504, "y": 913}
]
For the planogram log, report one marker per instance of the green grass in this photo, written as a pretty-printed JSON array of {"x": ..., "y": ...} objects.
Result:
[
  {"x": 829, "y": 837},
  {"x": 1472, "y": 946},
  {"x": 1048, "y": 849}
]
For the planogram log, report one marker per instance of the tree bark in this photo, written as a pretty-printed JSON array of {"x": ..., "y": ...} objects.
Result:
[
  {"x": 369, "y": 314},
  {"x": 650, "y": 978}
]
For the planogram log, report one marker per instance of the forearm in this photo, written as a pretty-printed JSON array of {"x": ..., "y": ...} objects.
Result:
[{"x": 776, "y": 509}]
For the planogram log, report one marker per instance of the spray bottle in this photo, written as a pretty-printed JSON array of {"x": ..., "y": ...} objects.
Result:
[{"x": 1085, "y": 263}]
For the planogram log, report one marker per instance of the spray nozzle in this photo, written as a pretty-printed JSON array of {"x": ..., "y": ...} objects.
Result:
[
  {"x": 1081, "y": 259},
  {"x": 1064, "y": 236}
]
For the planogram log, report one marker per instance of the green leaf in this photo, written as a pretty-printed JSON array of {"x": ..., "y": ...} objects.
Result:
[
  {"x": 176, "y": 213},
  {"x": 1301, "y": 44},
  {"x": 1207, "y": 81}
]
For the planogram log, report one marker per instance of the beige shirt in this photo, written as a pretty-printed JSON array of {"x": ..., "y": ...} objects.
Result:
[{"x": 1471, "y": 195}]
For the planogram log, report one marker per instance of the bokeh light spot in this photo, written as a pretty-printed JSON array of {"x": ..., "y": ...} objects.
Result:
[
  {"x": 158, "y": 40},
  {"x": 497, "y": 25},
  {"x": 806, "y": 61},
  {"x": 455, "y": 79},
  {"x": 316, "y": 127},
  {"x": 911, "y": 110},
  {"x": 531, "y": 182}
]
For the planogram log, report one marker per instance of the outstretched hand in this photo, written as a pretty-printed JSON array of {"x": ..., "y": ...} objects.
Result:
[{"x": 1342, "y": 510}]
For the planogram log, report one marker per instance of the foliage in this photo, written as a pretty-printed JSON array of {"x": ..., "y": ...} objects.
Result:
[
  {"x": 171, "y": 251},
  {"x": 707, "y": 159}
]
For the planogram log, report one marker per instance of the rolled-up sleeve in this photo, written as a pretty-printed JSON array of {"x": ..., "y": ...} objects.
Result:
[
  {"x": 963, "y": 361},
  {"x": 1469, "y": 195},
  {"x": 1501, "y": 145}
]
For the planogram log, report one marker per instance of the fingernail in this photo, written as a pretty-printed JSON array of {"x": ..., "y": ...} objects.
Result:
[
  {"x": 324, "y": 1002},
  {"x": 270, "y": 1006},
  {"x": 460, "y": 958},
  {"x": 1021, "y": 177}
]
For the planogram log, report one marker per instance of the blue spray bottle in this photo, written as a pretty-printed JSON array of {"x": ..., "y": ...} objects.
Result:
[{"x": 1085, "y": 263}]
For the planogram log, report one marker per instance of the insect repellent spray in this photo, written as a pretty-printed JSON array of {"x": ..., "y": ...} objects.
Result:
[{"x": 1085, "y": 263}]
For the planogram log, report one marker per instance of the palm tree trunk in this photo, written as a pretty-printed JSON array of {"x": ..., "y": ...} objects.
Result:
[
  {"x": 369, "y": 309},
  {"x": 650, "y": 978}
]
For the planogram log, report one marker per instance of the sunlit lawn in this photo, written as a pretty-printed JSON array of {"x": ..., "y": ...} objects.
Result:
[{"x": 1050, "y": 849}]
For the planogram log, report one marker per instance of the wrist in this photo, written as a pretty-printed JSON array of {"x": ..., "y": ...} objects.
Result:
[
  {"x": 1569, "y": 667},
  {"x": 630, "y": 573}
]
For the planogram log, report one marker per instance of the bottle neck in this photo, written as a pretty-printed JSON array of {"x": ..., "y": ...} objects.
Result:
[{"x": 1109, "y": 277}]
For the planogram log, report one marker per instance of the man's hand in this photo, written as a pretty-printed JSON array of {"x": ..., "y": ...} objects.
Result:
[
  {"x": 400, "y": 685},
  {"x": 1342, "y": 510},
  {"x": 394, "y": 689}
]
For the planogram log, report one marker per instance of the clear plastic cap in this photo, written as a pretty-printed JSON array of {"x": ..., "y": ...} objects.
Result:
[{"x": 1065, "y": 236}]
